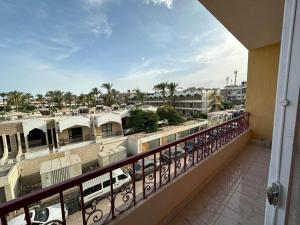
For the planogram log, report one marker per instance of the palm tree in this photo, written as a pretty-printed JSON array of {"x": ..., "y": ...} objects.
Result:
[
  {"x": 3, "y": 95},
  {"x": 115, "y": 95},
  {"x": 108, "y": 97},
  {"x": 68, "y": 97},
  {"x": 140, "y": 95},
  {"x": 57, "y": 97},
  {"x": 82, "y": 99},
  {"x": 161, "y": 87},
  {"x": 91, "y": 99},
  {"x": 40, "y": 98},
  {"x": 15, "y": 98},
  {"x": 172, "y": 89}
]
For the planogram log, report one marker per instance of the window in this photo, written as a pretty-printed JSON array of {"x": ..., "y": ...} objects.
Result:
[
  {"x": 41, "y": 214},
  {"x": 107, "y": 129},
  {"x": 122, "y": 177},
  {"x": 148, "y": 165},
  {"x": 107, "y": 183},
  {"x": 93, "y": 189}
]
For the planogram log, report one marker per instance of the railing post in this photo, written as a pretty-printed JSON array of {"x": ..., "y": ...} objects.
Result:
[
  {"x": 27, "y": 216},
  {"x": 133, "y": 182},
  {"x": 112, "y": 195}
]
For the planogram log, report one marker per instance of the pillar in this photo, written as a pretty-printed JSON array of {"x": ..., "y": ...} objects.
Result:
[
  {"x": 19, "y": 147},
  {"x": 5, "y": 149},
  {"x": 52, "y": 138},
  {"x": 56, "y": 134},
  {"x": 26, "y": 143},
  {"x": 46, "y": 136}
]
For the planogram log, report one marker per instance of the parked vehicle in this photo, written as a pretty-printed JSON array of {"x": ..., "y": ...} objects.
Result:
[
  {"x": 168, "y": 156},
  {"x": 100, "y": 186},
  {"x": 41, "y": 215},
  {"x": 148, "y": 168}
]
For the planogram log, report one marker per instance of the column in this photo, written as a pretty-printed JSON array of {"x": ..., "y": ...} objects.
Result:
[
  {"x": 26, "y": 143},
  {"x": 94, "y": 128},
  {"x": 57, "y": 138},
  {"x": 19, "y": 147},
  {"x": 5, "y": 149},
  {"x": 46, "y": 136},
  {"x": 52, "y": 138}
]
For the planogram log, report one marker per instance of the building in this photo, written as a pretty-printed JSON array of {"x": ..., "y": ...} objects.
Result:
[
  {"x": 33, "y": 137},
  {"x": 227, "y": 181},
  {"x": 235, "y": 94},
  {"x": 187, "y": 102},
  {"x": 142, "y": 142}
]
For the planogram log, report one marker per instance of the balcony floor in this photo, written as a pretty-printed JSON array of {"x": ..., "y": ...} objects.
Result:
[{"x": 234, "y": 196}]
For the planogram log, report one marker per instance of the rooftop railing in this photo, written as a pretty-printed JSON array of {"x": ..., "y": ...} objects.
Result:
[{"x": 103, "y": 194}]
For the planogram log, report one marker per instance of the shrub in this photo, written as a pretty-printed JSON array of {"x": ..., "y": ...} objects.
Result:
[
  {"x": 200, "y": 115},
  {"x": 169, "y": 114},
  {"x": 141, "y": 120}
]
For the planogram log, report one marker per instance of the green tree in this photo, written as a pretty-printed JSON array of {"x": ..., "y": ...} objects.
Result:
[
  {"x": 141, "y": 120},
  {"x": 200, "y": 115},
  {"x": 226, "y": 105},
  {"x": 40, "y": 98},
  {"x": 172, "y": 89},
  {"x": 161, "y": 87},
  {"x": 56, "y": 98},
  {"x": 16, "y": 99},
  {"x": 3, "y": 95},
  {"x": 108, "y": 97},
  {"x": 140, "y": 95},
  {"x": 170, "y": 114},
  {"x": 68, "y": 97}
]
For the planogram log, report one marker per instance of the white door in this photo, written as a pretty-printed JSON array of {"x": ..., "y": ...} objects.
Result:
[{"x": 286, "y": 118}]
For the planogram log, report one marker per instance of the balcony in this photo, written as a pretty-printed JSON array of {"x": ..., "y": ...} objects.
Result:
[
  {"x": 236, "y": 195},
  {"x": 163, "y": 190}
]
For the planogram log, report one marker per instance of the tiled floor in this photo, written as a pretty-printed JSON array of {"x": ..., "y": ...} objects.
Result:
[{"x": 235, "y": 196}]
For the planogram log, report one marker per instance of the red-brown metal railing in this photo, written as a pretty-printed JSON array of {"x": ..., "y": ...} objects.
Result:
[{"x": 174, "y": 159}]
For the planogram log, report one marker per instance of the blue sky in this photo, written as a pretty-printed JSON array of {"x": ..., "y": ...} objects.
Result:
[{"x": 75, "y": 45}]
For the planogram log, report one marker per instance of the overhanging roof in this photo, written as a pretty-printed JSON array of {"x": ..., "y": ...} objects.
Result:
[{"x": 255, "y": 23}]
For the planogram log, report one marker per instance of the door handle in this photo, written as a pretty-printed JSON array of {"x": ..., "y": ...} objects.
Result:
[{"x": 273, "y": 192}]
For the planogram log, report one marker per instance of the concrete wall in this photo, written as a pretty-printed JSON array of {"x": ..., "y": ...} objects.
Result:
[
  {"x": 178, "y": 192},
  {"x": 261, "y": 89}
]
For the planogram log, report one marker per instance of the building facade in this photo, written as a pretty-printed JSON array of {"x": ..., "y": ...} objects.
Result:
[
  {"x": 187, "y": 102},
  {"x": 235, "y": 94}
]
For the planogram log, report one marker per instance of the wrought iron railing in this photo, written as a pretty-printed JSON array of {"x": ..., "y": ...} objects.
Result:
[{"x": 157, "y": 168}]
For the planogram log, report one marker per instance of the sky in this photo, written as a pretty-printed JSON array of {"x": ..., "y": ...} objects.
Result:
[{"x": 76, "y": 45}]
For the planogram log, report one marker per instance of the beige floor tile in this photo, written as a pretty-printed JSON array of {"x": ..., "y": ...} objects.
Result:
[{"x": 229, "y": 217}]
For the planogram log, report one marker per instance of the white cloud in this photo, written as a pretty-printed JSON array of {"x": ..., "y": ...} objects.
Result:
[
  {"x": 98, "y": 24},
  {"x": 206, "y": 67},
  {"x": 166, "y": 3}
]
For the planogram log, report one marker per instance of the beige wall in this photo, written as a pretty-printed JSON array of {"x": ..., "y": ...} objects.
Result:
[
  {"x": 261, "y": 89},
  {"x": 178, "y": 193}
]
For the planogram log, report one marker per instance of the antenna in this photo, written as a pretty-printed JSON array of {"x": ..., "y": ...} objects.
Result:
[{"x": 235, "y": 75}]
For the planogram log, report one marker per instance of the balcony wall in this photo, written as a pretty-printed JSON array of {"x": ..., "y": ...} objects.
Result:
[
  {"x": 261, "y": 89},
  {"x": 177, "y": 194}
]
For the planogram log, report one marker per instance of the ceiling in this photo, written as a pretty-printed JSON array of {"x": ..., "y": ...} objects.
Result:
[{"x": 255, "y": 23}]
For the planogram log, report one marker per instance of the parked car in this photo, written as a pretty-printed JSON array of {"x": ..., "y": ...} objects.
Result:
[
  {"x": 41, "y": 215},
  {"x": 148, "y": 168},
  {"x": 166, "y": 154}
]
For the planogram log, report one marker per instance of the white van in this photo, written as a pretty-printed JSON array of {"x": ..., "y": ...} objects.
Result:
[{"x": 100, "y": 186}]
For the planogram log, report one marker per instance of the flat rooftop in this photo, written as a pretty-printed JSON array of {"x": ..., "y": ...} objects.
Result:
[{"x": 166, "y": 129}]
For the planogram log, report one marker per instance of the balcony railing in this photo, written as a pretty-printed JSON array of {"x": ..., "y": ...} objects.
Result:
[{"x": 170, "y": 161}]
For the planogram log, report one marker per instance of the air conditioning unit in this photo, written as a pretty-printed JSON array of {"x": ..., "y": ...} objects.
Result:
[
  {"x": 60, "y": 169},
  {"x": 109, "y": 156}
]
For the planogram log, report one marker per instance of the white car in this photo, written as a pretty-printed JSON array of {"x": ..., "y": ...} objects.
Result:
[{"x": 40, "y": 215}]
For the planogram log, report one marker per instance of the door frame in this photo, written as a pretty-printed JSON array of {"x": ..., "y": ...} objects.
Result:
[{"x": 286, "y": 111}]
